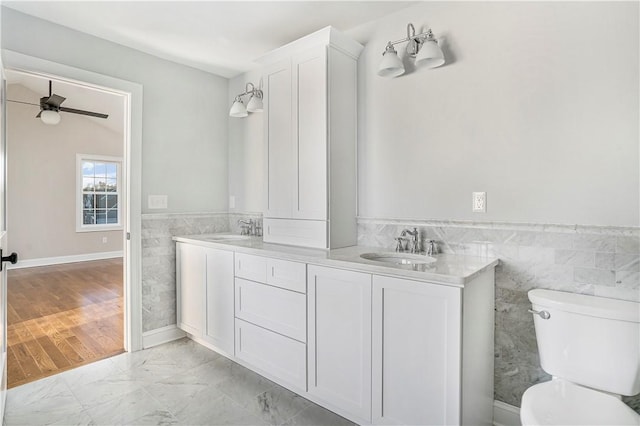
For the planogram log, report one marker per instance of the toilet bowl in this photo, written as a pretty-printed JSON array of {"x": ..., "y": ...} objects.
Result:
[
  {"x": 591, "y": 347},
  {"x": 559, "y": 402}
]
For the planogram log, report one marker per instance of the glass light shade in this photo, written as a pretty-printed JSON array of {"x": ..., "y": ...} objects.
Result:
[
  {"x": 430, "y": 56},
  {"x": 238, "y": 109},
  {"x": 50, "y": 117},
  {"x": 255, "y": 104},
  {"x": 391, "y": 65}
]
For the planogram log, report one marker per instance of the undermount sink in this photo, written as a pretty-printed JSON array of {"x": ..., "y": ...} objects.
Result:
[
  {"x": 226, "y": 237},
  {"x": 399, "y": 258}
]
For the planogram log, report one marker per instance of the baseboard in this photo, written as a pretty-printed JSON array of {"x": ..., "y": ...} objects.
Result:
[
  {"x": 505, "y": 414},
  {"x": 46, "y": 261},
  {"x": 161, "y": 335}
]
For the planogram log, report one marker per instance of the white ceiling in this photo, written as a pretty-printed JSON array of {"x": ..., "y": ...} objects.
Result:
[
  {"x": 222, "y": 37},
  {"x": 78, "y": 96}
]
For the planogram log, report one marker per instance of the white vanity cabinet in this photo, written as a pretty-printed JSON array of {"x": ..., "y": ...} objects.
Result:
[
  {"x": 387, "y": 350},
  {"x": 416, "y": 352},
  {"x": 377, "y": 348},
  {"x": 420, "y": 373},
  {"x": 205, "y": 295},
  {"x": 310, "y": 136},
  {"x": 191, "y": 276},
  {"x": 219, "y": 318},
  {"x": 339, "y": 355},
  {"x": 271, "y": 318}
]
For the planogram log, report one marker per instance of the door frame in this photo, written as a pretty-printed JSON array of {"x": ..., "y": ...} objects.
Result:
[{"x": 132, "y": 171}]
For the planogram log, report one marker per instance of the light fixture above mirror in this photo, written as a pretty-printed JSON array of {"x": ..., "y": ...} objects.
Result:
[
  {"x": 254, "y": 105},
  {"x": 423, "y": 48}
]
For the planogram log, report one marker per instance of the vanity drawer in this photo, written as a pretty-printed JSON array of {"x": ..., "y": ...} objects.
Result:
[
  {"x": 296, "y": 232},
  {"x": 276, "y": 309},
  {"x": 287, "y": 274},
  {"x": 251, "y": 267},
  {"x": 272, "y": 353}
]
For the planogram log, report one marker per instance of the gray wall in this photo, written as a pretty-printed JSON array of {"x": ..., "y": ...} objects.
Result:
[
  {"x": 184, "y": 143},
  {"x": 537, "y": 106},
  {"x": 41, "y": 178}
]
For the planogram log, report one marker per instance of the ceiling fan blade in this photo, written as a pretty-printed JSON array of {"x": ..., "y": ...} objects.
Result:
[
  {"x": 82, "y": 112},
  {"x": 54, "y": 100}
]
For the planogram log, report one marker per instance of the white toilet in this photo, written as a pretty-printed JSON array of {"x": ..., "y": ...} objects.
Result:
[{"x": 591, "y": 347}]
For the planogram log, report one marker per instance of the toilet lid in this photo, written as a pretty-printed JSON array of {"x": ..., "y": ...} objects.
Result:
[{"x": 559, "y": 402}]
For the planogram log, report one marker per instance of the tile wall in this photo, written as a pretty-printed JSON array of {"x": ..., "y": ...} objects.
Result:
[
  {"x": 159, "y": 258},
  {"x": 602, "y": 261}
]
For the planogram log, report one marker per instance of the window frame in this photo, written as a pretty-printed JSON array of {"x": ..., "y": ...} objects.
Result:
[{"x": 80, "y": 227}]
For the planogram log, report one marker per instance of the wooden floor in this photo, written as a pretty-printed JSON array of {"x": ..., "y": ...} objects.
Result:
[{"x": 62, "y": 316}]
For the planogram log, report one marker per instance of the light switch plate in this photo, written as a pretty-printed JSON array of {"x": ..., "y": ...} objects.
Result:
[
  {"x": 158, "y": 201},
  {"x": 232, "y": 202},
  {"x": 479, "y": 202}
]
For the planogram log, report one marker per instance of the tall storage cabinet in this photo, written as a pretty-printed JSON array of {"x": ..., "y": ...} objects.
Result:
[{"x": 310, "y": 135}]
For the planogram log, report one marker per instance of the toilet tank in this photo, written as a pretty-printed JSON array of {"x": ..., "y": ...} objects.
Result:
[{"x": 589, "y": 340}]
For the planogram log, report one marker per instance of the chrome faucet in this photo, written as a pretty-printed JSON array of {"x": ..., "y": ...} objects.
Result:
[
  {"x": 400, "y": 244},
  {"x": 432, "y": 248},
  {"x": 249, "y": 229},
  {"x": 415, "y": 240}
]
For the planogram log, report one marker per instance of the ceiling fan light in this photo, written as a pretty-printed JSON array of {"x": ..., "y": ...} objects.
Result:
[
  {"x": 50, "y": 117},
  {"x": 237, "y": 109},
  {"x": 255, "y": 104}
]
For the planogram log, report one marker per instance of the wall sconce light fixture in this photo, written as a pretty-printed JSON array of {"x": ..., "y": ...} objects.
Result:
[
  {"x": 422, "y": 47},
  {"x": 254, "y": 105}
]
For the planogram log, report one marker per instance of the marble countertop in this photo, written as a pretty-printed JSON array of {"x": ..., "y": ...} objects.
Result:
[{"x": 449, "y": 269}]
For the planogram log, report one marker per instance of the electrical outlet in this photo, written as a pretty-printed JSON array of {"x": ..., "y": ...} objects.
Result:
[
  {"x": 232, "y": 202},
  {"x": 104, "y": 240},
  {"x": 158, "y": 201},
  {"x": 479, "y": 202}
]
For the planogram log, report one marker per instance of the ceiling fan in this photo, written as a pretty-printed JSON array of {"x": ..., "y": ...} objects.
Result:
[{"x": 50, "y": 108}]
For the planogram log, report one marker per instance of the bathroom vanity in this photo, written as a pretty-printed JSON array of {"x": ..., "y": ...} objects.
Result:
[{"x": 376, "y": 342}]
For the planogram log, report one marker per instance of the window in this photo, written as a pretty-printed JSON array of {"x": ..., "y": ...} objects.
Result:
[{"x": 99, "y": 193}]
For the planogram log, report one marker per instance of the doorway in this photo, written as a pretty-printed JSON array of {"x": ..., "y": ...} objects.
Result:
[{"x": 66, "y": 214}]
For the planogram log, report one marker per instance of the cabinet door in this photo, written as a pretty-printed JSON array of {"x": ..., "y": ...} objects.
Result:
[
  {"x": 190, "y": 285},
  {"x": 220, "y": 294},
  {"x": 310, "y": 134},
  {"x": 279, "y": 150},
  {"x": 339, "y": 340},
  {"x": 416, "y": 352}
]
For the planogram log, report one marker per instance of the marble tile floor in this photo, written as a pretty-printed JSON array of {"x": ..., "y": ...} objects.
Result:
[{"x": 179, "y": 383}]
